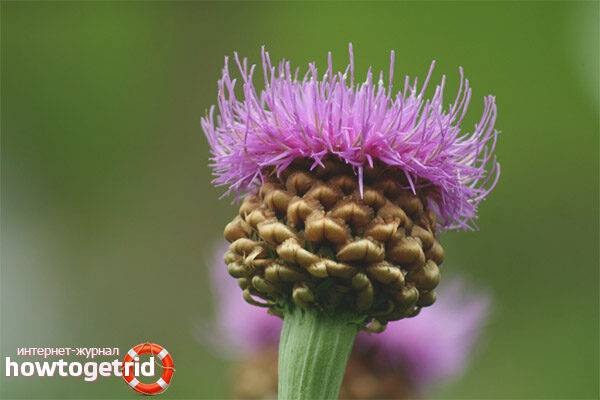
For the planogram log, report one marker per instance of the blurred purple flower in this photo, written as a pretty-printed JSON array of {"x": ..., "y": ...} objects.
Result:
[
  {"x": 435, "y": 345},
  {"x": 241, "y": 328},
  {"x": 429, "y": 348},
  {"x": 359, "y": 123}
]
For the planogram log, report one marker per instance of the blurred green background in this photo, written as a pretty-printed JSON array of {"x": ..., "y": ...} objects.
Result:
[{"x": 109, "y": 218}]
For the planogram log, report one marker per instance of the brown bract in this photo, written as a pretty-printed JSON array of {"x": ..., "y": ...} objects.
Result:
[{"x": 310, "y": 238}]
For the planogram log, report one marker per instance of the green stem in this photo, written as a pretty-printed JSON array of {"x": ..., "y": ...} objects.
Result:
[{"x": 313, "y": 352}]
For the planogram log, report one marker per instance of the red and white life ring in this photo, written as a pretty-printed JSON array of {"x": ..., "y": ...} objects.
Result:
[{"x": 167, "y": 366}]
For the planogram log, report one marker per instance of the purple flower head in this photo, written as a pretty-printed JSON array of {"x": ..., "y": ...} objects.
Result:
[
  {"x": 360, "y": 123},
  {"x": 433, "y": 346}
]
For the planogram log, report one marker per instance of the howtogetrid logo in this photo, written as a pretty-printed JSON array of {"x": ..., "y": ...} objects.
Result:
[{"x": 131, "y": 368}]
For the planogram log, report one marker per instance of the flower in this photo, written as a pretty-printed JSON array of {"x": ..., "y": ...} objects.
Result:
[
  {"x": 345, "y": 187},
  {"x": 401, "y": 362},
  {"x": 359, "y": 123}
]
